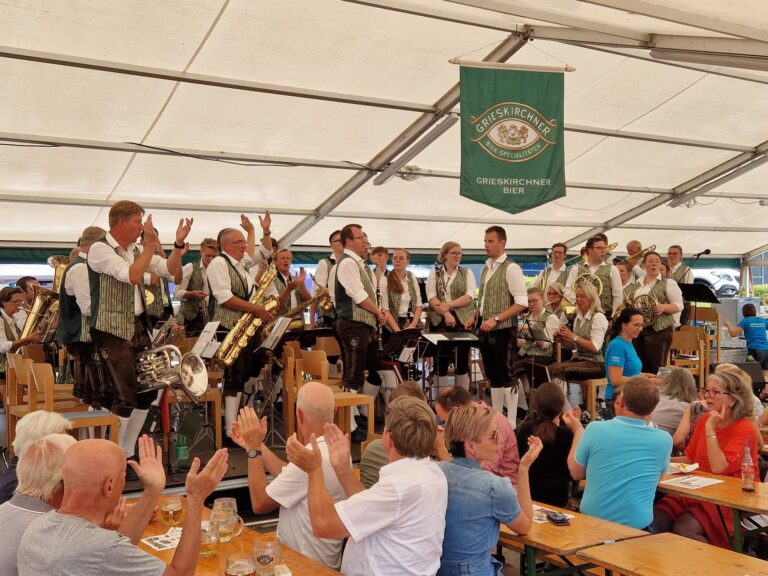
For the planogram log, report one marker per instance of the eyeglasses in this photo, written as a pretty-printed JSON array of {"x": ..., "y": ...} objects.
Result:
[
  {"x": 17, "y": 301},
  {"x": 236, "y": 242},
  {"x": 336, "y": 240},
  {"x": 494, "y": 437},
  {"x": 359, "y": 237},
  {"x": 714, "y": 392},
  {"x": 454, "y": 253}
]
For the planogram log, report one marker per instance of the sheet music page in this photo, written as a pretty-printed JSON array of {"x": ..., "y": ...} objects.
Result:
[
  {"x": 206, "y": 337},
  {"x": 435, "y": 337}
]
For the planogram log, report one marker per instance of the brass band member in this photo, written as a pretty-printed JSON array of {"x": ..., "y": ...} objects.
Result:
[
  {"x": 27, "y": 284},
  {"x": 555, "y": 272},
  {"x": 290, "y": 290},
  {"x": 655, "y": 340},
  {"x": 357, "y": 314},
  {"x": 635, "y": 265},
  {"x": 451, "y": 292},
  {"x": 230, "y": 283},
  {"x": 322, "y": 273},
  {"x": 380, "y": 258},
  {"x": 502, "y": 298},
  {"x": 611, "y": 295},
  {"x": 11, "y": 301},
  {"x": 623, "y": 267},
  {"x": 586, "y": 338},
  {"x": 682, "y": 274},
  {"x": 536, "y": 352},
  {"x": 553, "y": 301},
  {"x": 402, "y": 297},
  {"x": 118, "y": 323},
  {"x": 74, "y": 314},
  {"x": 192, "y": 291},
  {"x": 160, "y": 308}
]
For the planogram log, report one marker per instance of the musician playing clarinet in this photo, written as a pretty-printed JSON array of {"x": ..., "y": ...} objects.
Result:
[
  {"x": 502, "y": 298},
  {"x": 450, "y": 293},
  {"x": 118, "y": 324},
  {"x": 357, "y": 314}
]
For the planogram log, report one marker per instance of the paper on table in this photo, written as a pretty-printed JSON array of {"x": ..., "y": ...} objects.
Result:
[
  {"x": 540, "y": 514},
  {"x": 692, "y": 482},
  {"x": 435, "y": 337},
  {"x": 680, "y": 467},
  {"x": 165, "y": 541}
]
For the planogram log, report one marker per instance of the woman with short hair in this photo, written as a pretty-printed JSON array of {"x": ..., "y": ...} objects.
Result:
[{"x": 677, "y": 392}]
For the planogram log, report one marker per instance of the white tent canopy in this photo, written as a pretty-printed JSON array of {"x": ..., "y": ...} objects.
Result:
[{"x": 208, "y": 108}]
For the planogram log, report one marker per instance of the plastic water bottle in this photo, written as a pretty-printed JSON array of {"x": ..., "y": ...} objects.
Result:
[
  {"x": 747, "y": 470},
  {"x": 182, "y": 451}
]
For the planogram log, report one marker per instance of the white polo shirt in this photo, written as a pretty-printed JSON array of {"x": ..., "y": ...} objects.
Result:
[
  {"x": 294, "y": 527},
  {"x": 397, "y": 525}
]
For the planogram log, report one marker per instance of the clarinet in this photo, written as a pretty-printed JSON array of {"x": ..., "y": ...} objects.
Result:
[{"x": 379, "y": 326}]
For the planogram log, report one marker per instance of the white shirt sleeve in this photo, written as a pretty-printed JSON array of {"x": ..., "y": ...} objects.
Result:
[
  {"x": 617, "y": 291},
  {"x": 552, "y": 326},
  {"x": 5, "y": 344},
  {"x": 321, "y": 275},
  {"x": 383, "y": 290},
  {"x": 599, "y": 328},
  {"x": 516, "y": 284},
  {"x": 573, "y": 273},
  {"x": 181, "y": 287},
  {"x": 371, "y": 510},
  {"x": 289, "y": 488},
  {"x": 417, "y": 290},
  {"x": 674, "y": 294},
  {"x": 348, "y": 275},
  {"x": 540, "y": 279},
  {"x": 431, "y": 285},
  {"x": 78, "y": 283},
  {"x": 103, "y": 259}
]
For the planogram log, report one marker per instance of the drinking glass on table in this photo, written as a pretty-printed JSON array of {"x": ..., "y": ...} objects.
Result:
[
  {"x": 229, "y": 523},
  {"x": 240, "y": 564},
  {"x": 171, "y": 510},
  {"x": 267, "y": 554},
  {"x": 209, "y": 539}
]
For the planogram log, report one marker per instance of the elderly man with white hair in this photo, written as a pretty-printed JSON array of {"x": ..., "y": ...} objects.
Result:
[
  {"x": 40, "y": 490},
  {"x": 30, "y": 428}
]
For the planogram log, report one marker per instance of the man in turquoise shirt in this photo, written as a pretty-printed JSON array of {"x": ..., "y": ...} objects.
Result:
[{"x": 622, "y": 459}]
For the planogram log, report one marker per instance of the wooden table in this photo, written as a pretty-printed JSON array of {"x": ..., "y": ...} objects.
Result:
[
  {"x": 726, "y": 493},
  {"x": 583, "y": 532},
  {"x": 665, "y": 554},
  {"x": 297, "y": 563}
]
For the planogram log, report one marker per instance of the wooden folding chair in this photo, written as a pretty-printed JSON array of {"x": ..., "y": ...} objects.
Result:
[{"x": 687, "y": 351}]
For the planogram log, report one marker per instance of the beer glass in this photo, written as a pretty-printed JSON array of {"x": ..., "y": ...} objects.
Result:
[
  {"x": 267, "y": 554},
  {"x": 209, "y": 539},
  {"x": 229, "y": 523},
  {"x": 240, "y": 564},
  {"x": 225, "y": 503},
  {"x": 171, "y": 510}
]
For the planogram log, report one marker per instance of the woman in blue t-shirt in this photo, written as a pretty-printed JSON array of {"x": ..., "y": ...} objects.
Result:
[
  {"x": 621, "y": 359},
  {"x": 754, "y": 328}
]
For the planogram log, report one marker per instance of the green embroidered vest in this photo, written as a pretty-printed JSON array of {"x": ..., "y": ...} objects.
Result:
[
  {"x": 280, "y": 285},
  {"x": 680, "y": 273},
  {"x": 495, "y": 296},
  {"x": 190, "y": 308},
  {"x": 658, "y": 291},
  {"x": 73, "y": 326},
  {"x": 583, "y": 329},
  {"x": 395, "y": 298},
  {"x": 10, "y": 335},
  {"x": 345, "y": 306},
  {"x": 550, "y": 276},
  {"x": 457, "y": 290},
  {"x": 112, "y": 301},
  {"x": 239, "y": 287},
  {"x": 604, "y": 273}
]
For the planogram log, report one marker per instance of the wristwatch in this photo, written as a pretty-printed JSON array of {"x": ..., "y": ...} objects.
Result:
[
  {"x": 176, "y": 245},
  {"x": 496, "y": 319},
  {"x": 253, "y": 453},
  {"x": 575, "y": 338}
]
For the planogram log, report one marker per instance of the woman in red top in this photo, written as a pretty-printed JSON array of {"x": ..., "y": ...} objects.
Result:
[{"x": 717, "y": 445}]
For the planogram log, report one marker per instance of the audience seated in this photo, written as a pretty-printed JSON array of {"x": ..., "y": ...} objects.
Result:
[
  {"x": 71, "y": 541},
  {"x": 40, "y": 490},
  {"x": 549, "y": 476},
  {"x": 288, "y": 490},
  {"x": 30, "y": 428},
  {"x": 622, "y": 459},
  {"x": 507, "y": 459},
  {"x": 677, "y": 392},
  {"x": 479, "y": 501},
  {"x": 397, "y": 525},
  {"x": 717, "y": 446},
  {"x": 375, "y": 456}
]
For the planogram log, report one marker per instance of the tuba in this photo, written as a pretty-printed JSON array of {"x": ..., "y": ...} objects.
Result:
[
  {"x": 249, "y": 323},
  {"x": 166, "y": 367},
  {"x": 43, "y": 315},
  {"x": 323, "y": 300}
]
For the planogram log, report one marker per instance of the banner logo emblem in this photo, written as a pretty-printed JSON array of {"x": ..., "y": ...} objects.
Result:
[{"x": 513, "y": 132}]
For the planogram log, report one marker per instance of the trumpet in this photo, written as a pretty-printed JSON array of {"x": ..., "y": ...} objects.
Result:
[{"x": 641, "y": 254}]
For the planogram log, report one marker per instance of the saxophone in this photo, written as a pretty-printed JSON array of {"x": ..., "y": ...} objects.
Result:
[
  {"x": 323, "y": 299},
  {"x": 249, "y": 323}
]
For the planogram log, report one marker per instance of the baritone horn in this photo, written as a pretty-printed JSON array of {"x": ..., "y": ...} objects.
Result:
[
  {"x": 43, "y": 315},
  {"x": 167, "y": 367}
]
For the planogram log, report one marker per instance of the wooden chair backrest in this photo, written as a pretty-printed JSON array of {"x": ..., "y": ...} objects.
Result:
[
  {"x": 294, "y": 344},
  {"x": 698, "y": 330},
  {"x": 34, "y": 352},
  {"x": 23, "y": 369},
  {"x": 328, "y": 344},
  {"x": 707, "y": 315},
  {"x": 42, "y": 376},
  {"x": 315, "y": 363},
  {"x": 298, "y": 372},
  {"x": 686, "y": 341}
]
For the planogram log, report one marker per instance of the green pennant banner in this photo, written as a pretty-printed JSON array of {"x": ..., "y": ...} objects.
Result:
[{"x": 512, "y": 137}]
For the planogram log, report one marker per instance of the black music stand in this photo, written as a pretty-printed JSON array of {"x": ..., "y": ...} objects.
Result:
[
  {"x": 436, "y": 342},
  {"x": 698, "y": 293},
  {"x": 534, "y": 372},
  {"x": 408, "y": 338},
  {"x": 270, "y": 344}
]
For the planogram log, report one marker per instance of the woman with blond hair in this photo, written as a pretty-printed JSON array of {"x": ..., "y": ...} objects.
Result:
[
  {"x": 450, "y": 293},
  {"x": 478, "y": 501},
  {"x": 402, "y": 298},
  {"x": 717, "y": 446}
]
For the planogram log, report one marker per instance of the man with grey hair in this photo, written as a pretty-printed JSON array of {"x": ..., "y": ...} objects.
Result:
[
  {"x": 74, "y": 315},
  {"x": 40, "y": 490},
  {"x": 288, "y": 490},
  {"x": 29, "y": 429}
]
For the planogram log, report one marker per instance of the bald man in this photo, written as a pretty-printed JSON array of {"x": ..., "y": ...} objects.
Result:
[
  {"x": 288, "y": 490},
  {"x": 70, "y": 541}
]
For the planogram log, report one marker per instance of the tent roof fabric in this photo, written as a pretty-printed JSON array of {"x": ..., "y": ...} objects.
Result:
[{"x": 211, "y": 108}]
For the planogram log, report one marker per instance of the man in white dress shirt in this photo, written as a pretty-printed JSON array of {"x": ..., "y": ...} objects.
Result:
[
  {"x": 192, "y": 291},
  {"x": 612, "y": 294}
]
